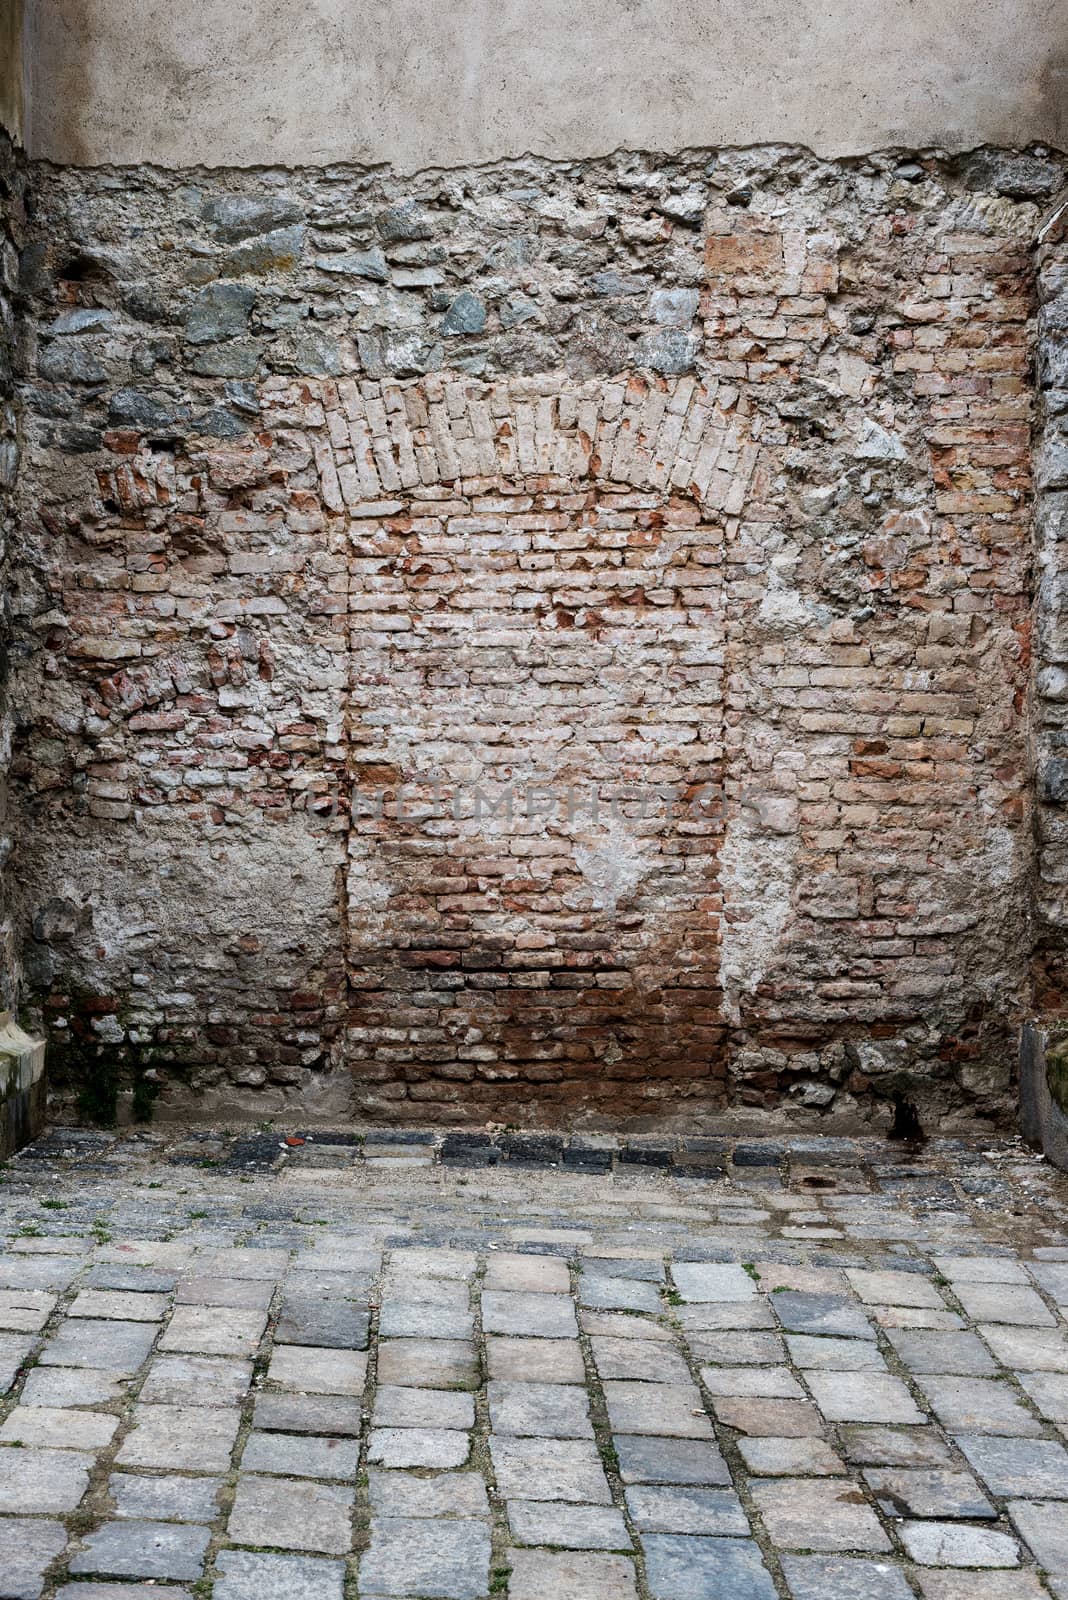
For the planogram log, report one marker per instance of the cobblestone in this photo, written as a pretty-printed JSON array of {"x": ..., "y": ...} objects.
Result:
[{"x": 684, "y": 1452}]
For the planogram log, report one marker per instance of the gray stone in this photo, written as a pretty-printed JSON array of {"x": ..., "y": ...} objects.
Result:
[
  {"x": 895, "y": 1447},
  {"x": 949, "y": 1544},
  {"x": 38, "y": 1272},
  {"x": 1016, "y": 174},
  {"x": 466, "y": 314},
  {"x": 42, "y": 1480},
  {"x": 822, "y": 1314},
  {"x": 538, "y": 1316},
  {"x": 862, "y": 1397},
  {"x": 785, "y": 1458},
  {"x": 1043, "y": 1527},
  {"x": 407, "y": 1494},
  {"x": 525, "y": 1274},
  {"x": 58, "y": 1428},
  {"x": 415, "y": 1320},
  {"x": 220, "y": 311},
  {"x": 72, "y": 1386},
  {"x": 1028, "y": 1349},
  {"x": 679, "y": 1567},
  {"x": 978, "y": 1405},
  {"x": 292, "y": 1516},
  {"x": 301, "y": 1455},
  {"x": 240, "y": 216},
  {"x": 314, "y": 1280},
  {"x": 838, "y": 1578},
  {"x": 196, "y": 1381},
  {"x": 710, "y": 1281},
  {"x": 122, "y": 1591},
  {"x": 1032, "y": 1468},
  {"x": 672, "y": 351},
  {"x": 709, "y": 1317},
  {"x": 834, "y": 1355},
  {"x": 539, "y": 1522},
  {"x": 404, "y": 222},
  {"x": 960, "y": 1354},
  {"x": 164, "y": 1497},
  {"x": 895, "y": 1289},
  {"x": 214, "y": 1331},
  {"x": 397, "y": 1407},
  {"x": 244, "y": 1575},
  {"x": 673, "y": 308},
  {"x": 996, "y": 1302},
  {"x": 769, "y": 1419},
  {"x": 66, "y": 362},
  {"x": 625, "y": 1325},
  {"x": 818, "y": 1514},
  {"x": 277, "y": 251},
  {"x": 78, "y": 322},
  {"x": 116, "y": 1347},
  {"x": 675, "y": 1509},
  {"x": 578, "y": 1575},
  {"x": 657, "y": 1460},
  {"x": 443, "y": 1560},
  {"x": 14, "y": 1348},
  {"x": 981, "y": 1269},
  {"x": 131, "y": 408},
  {"x": 618, "y": 1294},
  {"x": 549, "y": 1469},
  {"x": 766, "y": 1383},
  {"x": 429, "y": 1363},
  {"x": 554, "y": 1411},
  {"x": 403, "y": 354},
  {"x": 311, "y": 1369},
  {"x": 1049, "y": 1391},
  {"x": 27, "y": 1547},
  {"x": 641, "y": 1360},
  {"x": 536, "y": 1360},
  {"x": 1052, "y": 1276},
  {"x": 25, "y": 1310},
  {"x": 333, "y": 1324},
  {"x": 244, "y": 1261},
  {"x": 195, "y": 1439},
  {"x": 739, "y": 1347},
  {"x": 244, "y": 1294},
  {"x": 418, "y": 1447},
  {"x": 671, "y": 1409},
  {"x": 119, "y": 1304},
  {"x": 928, "y": 1492},
  {"x": 137, "y": 1549},
  {"x": 300, "y": 1413}
]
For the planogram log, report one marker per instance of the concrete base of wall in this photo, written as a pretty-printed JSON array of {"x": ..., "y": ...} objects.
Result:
[
  {"x": 22, "y": 1086},
  {"x": 1044, "y": 1090}
]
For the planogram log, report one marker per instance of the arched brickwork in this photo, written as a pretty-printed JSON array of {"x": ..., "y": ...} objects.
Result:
[{"x": 537, "y": 605}]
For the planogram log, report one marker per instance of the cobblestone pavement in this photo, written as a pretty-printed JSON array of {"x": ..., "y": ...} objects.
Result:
[{"x": 260, "y": 1370}]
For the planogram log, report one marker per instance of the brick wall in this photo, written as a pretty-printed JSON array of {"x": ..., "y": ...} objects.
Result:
[{"x": 696, "y": 489}]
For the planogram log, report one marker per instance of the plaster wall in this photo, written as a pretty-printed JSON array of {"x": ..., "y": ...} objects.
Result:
[{"x": 420, "y": 84}]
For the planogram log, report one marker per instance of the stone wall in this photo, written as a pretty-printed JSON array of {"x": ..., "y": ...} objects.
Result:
[
  {"x": 1050, "y": 712},
  {"x": 359, "y": 508},
  {"x": 12, "y": 229}
]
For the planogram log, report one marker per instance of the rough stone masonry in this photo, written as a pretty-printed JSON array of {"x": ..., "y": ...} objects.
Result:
[{"x": 546, "y": 642}]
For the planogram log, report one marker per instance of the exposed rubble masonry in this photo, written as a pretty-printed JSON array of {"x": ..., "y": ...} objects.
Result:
[{"x": 544, "y": 642}]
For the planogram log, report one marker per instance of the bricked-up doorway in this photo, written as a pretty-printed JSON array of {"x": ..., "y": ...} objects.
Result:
[{"x": 537, "y": 612}]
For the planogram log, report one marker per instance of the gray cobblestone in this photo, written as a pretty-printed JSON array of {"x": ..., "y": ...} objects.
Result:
[{"x": 800, "y": 1360}]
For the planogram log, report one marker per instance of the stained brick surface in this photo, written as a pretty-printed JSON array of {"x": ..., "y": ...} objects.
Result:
[{"x": 715, "y": 516}]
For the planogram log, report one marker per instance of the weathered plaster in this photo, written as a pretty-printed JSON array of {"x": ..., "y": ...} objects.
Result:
[{"x": 420, "y": 84}]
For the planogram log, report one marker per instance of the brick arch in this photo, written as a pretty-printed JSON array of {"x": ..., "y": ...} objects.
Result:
[
  {"x": 536, "y": 603},
  {"x": 675, "y": 435}
]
